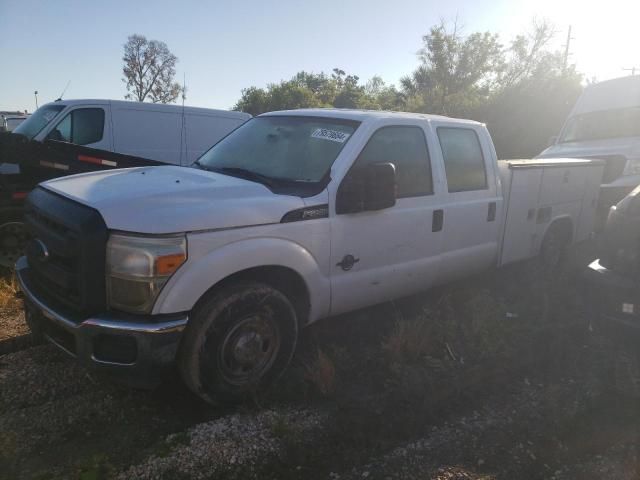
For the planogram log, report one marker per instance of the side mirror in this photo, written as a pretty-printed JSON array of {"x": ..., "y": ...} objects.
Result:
[
  {"x": 380, "y": 186},
  {"x": 552, "y": 140},
  {"x": 370, "y": 188}
]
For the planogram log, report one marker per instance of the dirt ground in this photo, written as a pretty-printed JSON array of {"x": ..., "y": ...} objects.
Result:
[{"x": 496, "y": 378}]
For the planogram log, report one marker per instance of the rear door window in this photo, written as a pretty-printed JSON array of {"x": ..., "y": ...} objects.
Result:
[
  {"x": 82, "y": 126},
  {"x": 463, "y": 159}
]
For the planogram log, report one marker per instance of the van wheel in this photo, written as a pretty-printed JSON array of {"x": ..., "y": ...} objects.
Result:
[
  {"x": 13, "y": 240},
  {"x": 238, "y": 341}
]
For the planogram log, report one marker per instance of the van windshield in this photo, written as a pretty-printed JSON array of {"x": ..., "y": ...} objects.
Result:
[
  {"x": 40, "y": 119},
  {"x": 280, "y": 149},
  {"x": 603, "y": 124}
]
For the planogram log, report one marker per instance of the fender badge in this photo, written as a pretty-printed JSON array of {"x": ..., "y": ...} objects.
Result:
[{"x": 347, "y": 262}]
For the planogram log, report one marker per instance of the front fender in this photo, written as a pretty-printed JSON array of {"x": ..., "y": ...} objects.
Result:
[{"x": 201, "y": 272}]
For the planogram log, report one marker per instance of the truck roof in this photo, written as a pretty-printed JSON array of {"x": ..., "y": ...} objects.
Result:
[
  {"x": 610, "y": 94},
  {"x": 148, "y": 106},
  {"x": 361, "y": 115}
]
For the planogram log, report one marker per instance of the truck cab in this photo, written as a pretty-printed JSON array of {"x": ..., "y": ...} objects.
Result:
[{"x": 293, "y": 217}]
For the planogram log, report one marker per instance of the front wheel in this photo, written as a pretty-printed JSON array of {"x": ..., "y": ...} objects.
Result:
[
  {"x": 13, "y": 239},
  {"x": 239, "y": 340}
]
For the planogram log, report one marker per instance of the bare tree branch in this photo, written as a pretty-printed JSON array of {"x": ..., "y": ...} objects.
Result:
[{"x": 149, "y": 68}]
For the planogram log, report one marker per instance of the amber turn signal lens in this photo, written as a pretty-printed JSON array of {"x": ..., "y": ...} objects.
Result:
[{"x": 167, "y": 264}]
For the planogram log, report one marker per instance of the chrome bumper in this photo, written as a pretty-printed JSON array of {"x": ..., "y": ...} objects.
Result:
[{"x": 151, "y": 341}]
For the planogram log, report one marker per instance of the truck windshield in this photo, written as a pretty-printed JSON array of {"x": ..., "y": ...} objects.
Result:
[
  {"x": 280, "y": 149},
  {"x": 40, "y": 119},
  {"x": 603, "y": 124}
]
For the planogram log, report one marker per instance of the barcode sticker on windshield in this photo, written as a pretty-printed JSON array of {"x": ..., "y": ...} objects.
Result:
[{"x": 333, "y": 135}]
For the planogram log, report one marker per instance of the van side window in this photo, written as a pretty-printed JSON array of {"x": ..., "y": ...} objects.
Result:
[
  {"x": 81, "y": 127},
  {"x": 463, "y": 159},
  {"x": 406, "y": 148}
]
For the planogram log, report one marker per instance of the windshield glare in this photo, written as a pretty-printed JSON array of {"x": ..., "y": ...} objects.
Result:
[
  {"x": 300, "y": 149},
  {"x": 36, "y": 122},
  {"x": 600, "y": 125}
]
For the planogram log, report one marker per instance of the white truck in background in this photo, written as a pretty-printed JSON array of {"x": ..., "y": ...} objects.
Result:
[
  {"x": 605, "y": 124},
  {"x": 295, "y": 216}
]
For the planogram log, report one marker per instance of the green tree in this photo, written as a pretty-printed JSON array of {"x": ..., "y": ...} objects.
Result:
[
  {"x": 456, "y": 73},
  {"x": 533, "y": 96},
  {"x": 522, "y": 91},
  {"x": 311, "y": 90}
]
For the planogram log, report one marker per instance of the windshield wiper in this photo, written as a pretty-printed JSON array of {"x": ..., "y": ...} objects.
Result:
[{"x": 245, "y": 174}]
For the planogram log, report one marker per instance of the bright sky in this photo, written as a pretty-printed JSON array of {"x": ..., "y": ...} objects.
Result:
[{"x": 224, "y": 46}]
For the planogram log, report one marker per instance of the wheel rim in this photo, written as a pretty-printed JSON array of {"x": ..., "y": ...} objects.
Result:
[
  {"x": 249, "y": 348},
  {"x": 13, "y": 240}
]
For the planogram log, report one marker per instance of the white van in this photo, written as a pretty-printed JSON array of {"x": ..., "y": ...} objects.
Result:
[
  {"x": 605, "y": 124},
  {"x": 166, "y": 133}
]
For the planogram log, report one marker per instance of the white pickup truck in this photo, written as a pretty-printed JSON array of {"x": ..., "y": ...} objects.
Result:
[{"x": 294, "y": 216}]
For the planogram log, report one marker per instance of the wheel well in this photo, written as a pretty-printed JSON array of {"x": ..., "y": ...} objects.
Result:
[
  {"x": 563, "y": 225},
  {"x": 286, "y": 280}
]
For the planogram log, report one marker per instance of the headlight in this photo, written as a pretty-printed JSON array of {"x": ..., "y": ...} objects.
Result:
[{"x": 138, "y": 267}]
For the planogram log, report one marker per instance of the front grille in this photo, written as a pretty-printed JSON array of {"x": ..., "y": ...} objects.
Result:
[{"x": 67, "y": 251}]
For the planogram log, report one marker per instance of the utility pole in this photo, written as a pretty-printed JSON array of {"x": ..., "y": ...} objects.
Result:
[
  {"x": 632, "y": 70},
  {"x": 566, "y": 50},
  {"x": 36, "y": 95}
]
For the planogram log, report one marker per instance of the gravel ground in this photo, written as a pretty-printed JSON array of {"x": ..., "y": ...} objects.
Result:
[
  {"x": 56, "y": 418},
  {"x": 12, "y": 324},
  {"x": 237, "y": 446},
  {"x": 505, "y": 438},
  {"x": 559, "y": 420}
]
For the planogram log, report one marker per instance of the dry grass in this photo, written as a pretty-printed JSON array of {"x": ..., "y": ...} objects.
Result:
[
  {"x": 8, "y": 292},
  {"x": 321, "y": 373},
  {"x": 410, "y": 340}
]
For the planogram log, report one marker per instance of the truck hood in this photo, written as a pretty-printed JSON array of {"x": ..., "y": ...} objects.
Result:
[
  {"x": 168, "y": 199},
  {"x": 626, "y": 147}
]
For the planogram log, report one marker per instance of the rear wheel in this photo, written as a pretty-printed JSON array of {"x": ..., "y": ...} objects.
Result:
[
  {"x": 238, "y": 341},
  {"x": 553, "y": 252}
]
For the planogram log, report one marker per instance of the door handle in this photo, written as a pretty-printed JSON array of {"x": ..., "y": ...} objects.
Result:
[
  {"x": 491, "y": 213},
  {"x": 437, "y": 221}
]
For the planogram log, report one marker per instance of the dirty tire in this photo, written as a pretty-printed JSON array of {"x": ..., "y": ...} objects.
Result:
[
  {"x": 239, "y": 340},
  {"x": 553, "y": 252}
]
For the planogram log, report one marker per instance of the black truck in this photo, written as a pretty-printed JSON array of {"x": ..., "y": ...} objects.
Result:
[
  {"x": 614, "y": 278},
  {"x": 25, "y": 163}
]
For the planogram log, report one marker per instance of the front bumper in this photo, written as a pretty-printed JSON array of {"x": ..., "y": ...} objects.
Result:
[
  {"x": 614, "y": 299},
  {"x": 136, "y": 349}
]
